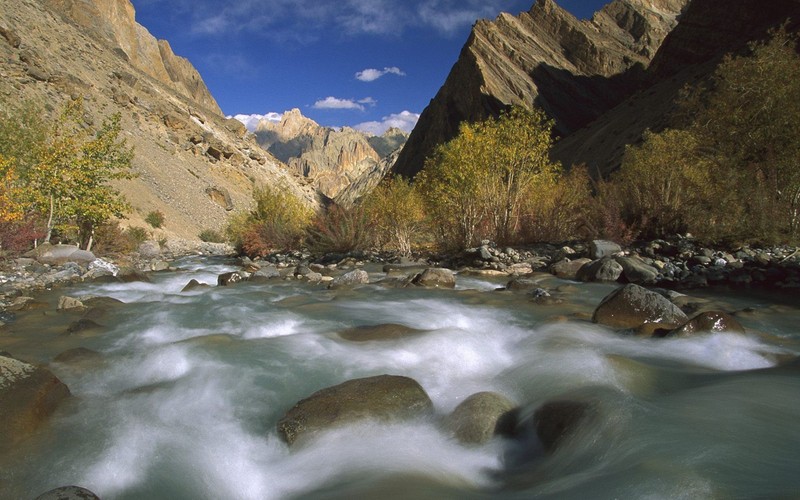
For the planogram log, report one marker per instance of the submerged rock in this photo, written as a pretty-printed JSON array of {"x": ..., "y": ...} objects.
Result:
[
  {"x": 28, "y": 395},
  {"x": 193, "y": 285},
  {"x": 435, "y": 277},
  {"x": 68, "y": 493},
  {"x": 480, "y": 417},
  {"x": 228, "y": 279},
  {"x": 556, "y": 420},
  {"x": 632, "y": 305},
  {"x": 388, "y": 398},
  {"x": 388, "y": 331}
]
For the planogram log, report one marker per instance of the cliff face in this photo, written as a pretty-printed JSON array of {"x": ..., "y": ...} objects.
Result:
[
  {"x": 115, "y": 20},
  {"x": 707, "y": 31},
  {"x": 331, "y": 159},
  {"x": 193, "y": 164},
  {"x": 574, "y": 70}
]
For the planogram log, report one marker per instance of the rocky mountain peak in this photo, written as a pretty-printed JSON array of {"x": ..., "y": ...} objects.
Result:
[{"x": 575, "y": 70}]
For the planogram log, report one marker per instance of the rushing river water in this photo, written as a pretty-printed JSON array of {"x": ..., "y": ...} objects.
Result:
[{"x": 184, "y": 399}]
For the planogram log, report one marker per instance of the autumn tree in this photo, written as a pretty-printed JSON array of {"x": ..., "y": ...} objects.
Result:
[
  {"x": 476, "y": 182},
  {"x": 396, "y": 212}
]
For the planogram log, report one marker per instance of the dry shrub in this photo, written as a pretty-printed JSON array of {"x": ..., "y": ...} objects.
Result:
[
  {"x": 339, "y": 230},
  {"x": 557, "y": 211}
]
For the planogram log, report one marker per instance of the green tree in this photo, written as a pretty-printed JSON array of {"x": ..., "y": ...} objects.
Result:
[
  {"x": 477, "y": 182},
  {"x": 70, "y": 180}
]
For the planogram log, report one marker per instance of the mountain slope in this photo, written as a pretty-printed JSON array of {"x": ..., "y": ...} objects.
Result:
[
  {"x": 574, "y": 70},
  {"x": 192, "y": 163}
]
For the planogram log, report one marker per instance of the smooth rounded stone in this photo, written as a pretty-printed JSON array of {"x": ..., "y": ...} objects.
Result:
[
  {"x": 265, "y": 273},
  {"x": 605, "y": 269},
  {"x": 556, "y": 420},
  {"x": 482, "y": 416},
  {"x": 388, "y": 331},
  {"x": 68, "y": 493},
  {"x": 70, "y": 304},
  {"x": 435, "y": 277},
  {"x": 635, "y": 270},
  {"x": 159, "y": 266},
  {"x": 603, "y": 248},
  {"x": 523, "y": 285},
  {"x": 193, "y": 285},
  {"x": 386, "y": 398},
  {"x": 228, "y": 279},
  {"x": 57, "y": 255},
  {"x": 708, "y": 322},
  {"x": 632, "y": 305},
  {"x": 28, "y": 395},
  {"x": 314, "y": 277},
  {"x": 568, "y": 269},
  {"x": 542, "y": 297},
  {"x": 77, "y": 355},
  {"x": 352, "y": 278},
  {"x": 82, "y": 325}
]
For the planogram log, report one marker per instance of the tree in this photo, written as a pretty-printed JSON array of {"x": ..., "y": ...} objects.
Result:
[
  {"x": 70, "y": 180},
  {"x": 748, "y": 124},
  {"x": 396, "y": 212},
  {"x": 476, "y": 182}
]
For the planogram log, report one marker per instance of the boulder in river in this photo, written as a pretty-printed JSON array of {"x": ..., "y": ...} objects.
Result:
[
  {"x": 352, "y": 278},
  {"x": 707, "y": 322},
  {"x": 635, "y": 270},
  {"x": 57, "y": 255},
  {"x": 194, "y": 285},
  {"x": 228, "y": 279},
  {"x": 387, "y": 398},
  {"x": 386, "y": 331},
  {"x": 28, "y": 395},
  {"x": 603, "y": 248},
  {"x": 68, "y": 493},
  {"x": 435, "y": 277},
  {"x": 482, "y": 416},
  {"x": 632, "y": 305},
  {"x": 605, "y": 269},
  {"x": 568, "y": 269}
]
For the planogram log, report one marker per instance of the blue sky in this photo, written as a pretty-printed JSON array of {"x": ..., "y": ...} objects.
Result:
[{"x": 360, "y": 63}]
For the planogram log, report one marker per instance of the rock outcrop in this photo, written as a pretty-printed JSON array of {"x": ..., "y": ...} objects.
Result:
[
  {"x": 332, "y": 159},
  {"x": 185, "y": 151},
  {"x": 574, "y": 70}
]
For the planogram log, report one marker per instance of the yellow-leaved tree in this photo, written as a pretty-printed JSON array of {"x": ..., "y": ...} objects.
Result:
[
  {"x": 476, "y": 183},
  {"x": 396, "y": 212}
]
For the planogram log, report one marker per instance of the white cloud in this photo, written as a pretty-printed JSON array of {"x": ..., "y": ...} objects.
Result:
[
  {"x": 371, "y": 74},
  {"x": 405, "y": 120},
  {"x": 251, "y": 121},
  {"x": 369, "y": 101},
  {"x": 336, "y": 103}
]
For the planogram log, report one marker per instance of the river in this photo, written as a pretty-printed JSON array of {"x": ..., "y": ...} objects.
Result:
[{"x": 183, "y": 401}]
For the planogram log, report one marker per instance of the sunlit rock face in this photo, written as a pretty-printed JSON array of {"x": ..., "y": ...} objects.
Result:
[{"x": 573, "y": 69}]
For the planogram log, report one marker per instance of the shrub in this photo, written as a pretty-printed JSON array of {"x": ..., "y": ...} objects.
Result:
[
  {"x": 396, "y": 213},
  {"x": 557, "y": 210},
  {"x": 339, "y": 230},
  {"x": 110, "y": 238},
  {"x": 137, "y": 235},
  {"x": 211, "y": 236},
  {"x": 155, "y": 219},
  {"x": 18, "y": 236}
]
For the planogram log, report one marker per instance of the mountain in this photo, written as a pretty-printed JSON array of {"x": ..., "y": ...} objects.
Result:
[
  {"x": 331, "y": 159},
  {"x": 193, "y": 164},
  {"x": 574, "y": 70}
]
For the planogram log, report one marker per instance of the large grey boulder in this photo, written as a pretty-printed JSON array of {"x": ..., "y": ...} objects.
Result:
[
  {"x": 708, "y": 322},
  {"x": 435, "y": 277},
  {"x": 603, "y": 248},
  {"x": 387, "y": 398},
  {"x": 632, "y": 306},
  {"x": 352, "y": 278},
  {"x": 605, "y": 269},
  {"x": 568, "y": 269},
  {"x": 57, "y": 255},
  {"x": 480, "y": 417},
  {"x": 636, "y": 270},
  {"x": 28, "y": 395}
]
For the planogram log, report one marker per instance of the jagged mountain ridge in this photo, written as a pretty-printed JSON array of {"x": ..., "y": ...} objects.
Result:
[
  {"x": 574, "y": 70},
  {"x": 193, "y": 164},
  {"x": 331, "y": 159}
]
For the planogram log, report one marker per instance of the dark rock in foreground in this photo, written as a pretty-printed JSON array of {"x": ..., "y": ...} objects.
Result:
[
  {"x": 28, "y": 395},
  {"x": 387, "y": 398},
  {"x": 388, "y": 331},
  {"x": 632, "y": 305},
  {"x": 68, "y": 493},
  {"x": 556, "y": 420}
]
